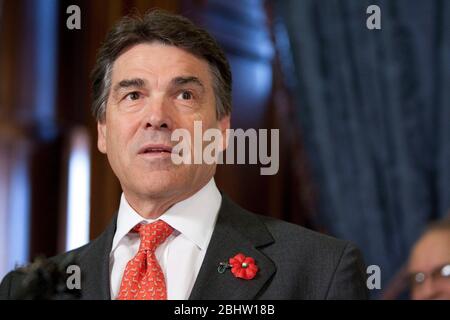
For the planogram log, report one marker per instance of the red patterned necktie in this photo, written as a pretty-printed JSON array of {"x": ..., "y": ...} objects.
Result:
[{"x": 143, "y": 278}]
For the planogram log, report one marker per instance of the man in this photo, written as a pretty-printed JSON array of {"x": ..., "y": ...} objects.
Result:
[
  {"x": 429, "y": 263},
  {"x": 175, "y": 235}
]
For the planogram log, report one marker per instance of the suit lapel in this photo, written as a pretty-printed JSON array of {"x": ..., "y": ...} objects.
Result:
[
  {"x": 236, "y": 231},
  {"x": 94, "y": 265}
]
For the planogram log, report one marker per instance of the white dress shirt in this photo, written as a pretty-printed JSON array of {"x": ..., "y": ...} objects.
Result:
[{"x": 181, "y": 255}]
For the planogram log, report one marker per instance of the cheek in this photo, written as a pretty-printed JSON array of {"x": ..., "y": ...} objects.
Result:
[
  {"x": 444, "y": 285},
  {"x": 207, "y": 120},
  {"x": 416, "y": 294},
  {"x": 118, "y": 136}
]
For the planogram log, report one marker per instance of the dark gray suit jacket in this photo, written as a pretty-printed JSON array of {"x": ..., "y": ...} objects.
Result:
[{"x": 294, "y": 262}]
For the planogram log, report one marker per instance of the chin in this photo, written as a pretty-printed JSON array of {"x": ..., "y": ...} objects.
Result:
[{"x": 161, "y": 182}]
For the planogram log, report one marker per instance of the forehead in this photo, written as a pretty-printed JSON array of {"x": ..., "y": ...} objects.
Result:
[
  {"x": 431, "y": 251},
  {"x": 159, "y": 62}
]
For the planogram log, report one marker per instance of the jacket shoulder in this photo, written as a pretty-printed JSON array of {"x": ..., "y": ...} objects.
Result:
[
  {"x": 312, "y": 265},
  {"x": 289, "y": 233}
]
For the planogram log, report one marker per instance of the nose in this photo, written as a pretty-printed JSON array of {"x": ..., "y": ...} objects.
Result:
[{"x": 157, "y": 115}]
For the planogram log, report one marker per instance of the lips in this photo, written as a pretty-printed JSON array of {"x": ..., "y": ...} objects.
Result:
[{"x": 155, "y": 148}]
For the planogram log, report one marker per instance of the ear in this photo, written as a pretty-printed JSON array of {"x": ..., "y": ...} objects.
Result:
[
  {"x": 224, "y": 126},
  {"x": 101, "y": 139}
]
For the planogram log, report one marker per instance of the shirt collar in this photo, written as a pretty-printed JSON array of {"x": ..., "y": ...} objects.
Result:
[{"x": 194, "y": 217}]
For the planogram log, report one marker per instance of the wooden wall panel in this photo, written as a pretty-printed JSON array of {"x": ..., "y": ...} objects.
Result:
[{"x": 279, "y": 196}]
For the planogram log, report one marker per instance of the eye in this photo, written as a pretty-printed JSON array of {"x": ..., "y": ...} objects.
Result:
[
  {"x": 185, "y": 95},
  {"x": 133, "y": 96}
]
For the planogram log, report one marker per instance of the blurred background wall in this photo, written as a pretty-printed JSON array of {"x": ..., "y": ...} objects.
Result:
[{"x": 364, "y": 140}]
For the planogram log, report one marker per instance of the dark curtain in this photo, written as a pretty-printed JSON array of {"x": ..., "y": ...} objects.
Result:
[{"x": 374, "y": 109}]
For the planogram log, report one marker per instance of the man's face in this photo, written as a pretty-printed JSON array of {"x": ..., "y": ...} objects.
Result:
[
  {"x": 156, "y": 89},
  {"x": 428, "y": 256}
]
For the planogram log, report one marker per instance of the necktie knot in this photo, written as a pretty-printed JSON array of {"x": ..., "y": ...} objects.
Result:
[{"x": 152, "y": 234}]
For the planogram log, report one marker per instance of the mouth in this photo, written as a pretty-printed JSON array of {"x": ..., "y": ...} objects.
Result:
[{"x": 155, "y": 149}]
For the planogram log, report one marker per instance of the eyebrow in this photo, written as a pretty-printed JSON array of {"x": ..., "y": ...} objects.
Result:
[
  {"x": 140, "y": 83},
  {"x": 179, "y": 81},
  {"x": 130, "y": 83}
]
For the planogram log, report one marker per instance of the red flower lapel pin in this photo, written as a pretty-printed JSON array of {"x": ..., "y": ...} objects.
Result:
[{"x": 241, "y": 266}]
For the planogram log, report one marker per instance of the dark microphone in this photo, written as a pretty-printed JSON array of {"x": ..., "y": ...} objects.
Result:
[{"x": 45, "y": 279}]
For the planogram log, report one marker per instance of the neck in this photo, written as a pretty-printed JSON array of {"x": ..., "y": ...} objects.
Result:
[{"x": 151, "y": 207}]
